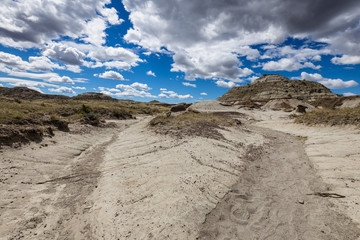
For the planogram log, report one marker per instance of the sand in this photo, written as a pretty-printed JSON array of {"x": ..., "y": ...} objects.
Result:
[
  {"x": 335, "y": 153},
  {"x": 119, "y": 183},
  {"x": 259, "y": 182}
]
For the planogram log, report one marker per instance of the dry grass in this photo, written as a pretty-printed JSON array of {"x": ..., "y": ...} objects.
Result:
[
  {"x": 13, "y": 110},
  {"x": 302, "y": 138},
  {"x": 190, "y": 124},
  {"x": 332, "y": 117}
]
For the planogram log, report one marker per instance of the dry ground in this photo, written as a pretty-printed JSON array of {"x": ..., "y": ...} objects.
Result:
[{"x": 132, "y": 183}]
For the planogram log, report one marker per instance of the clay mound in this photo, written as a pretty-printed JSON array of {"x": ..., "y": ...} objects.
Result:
[
  {"x": 350, "y": 102},
  {"x": 287, "y": 105},
  {"x": 275, "y": 86},
  {"x": 26, "y": 93},
  {"x": 94, "y": 96}
]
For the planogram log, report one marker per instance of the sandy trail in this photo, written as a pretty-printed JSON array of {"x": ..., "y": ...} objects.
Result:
[
  {"x": 125, "y": 183},
  {"x": 272, "y": 201},
  {"x": 335, "y": 153},
  {"x": 44, "y": 186}
]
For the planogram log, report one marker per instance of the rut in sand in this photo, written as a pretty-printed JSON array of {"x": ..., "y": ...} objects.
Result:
[{"x": 276, "y": 198}]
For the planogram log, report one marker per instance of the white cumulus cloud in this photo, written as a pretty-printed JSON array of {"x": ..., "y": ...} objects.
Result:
[
  {"x": 328, "y": 82},
  {"x": 171, "y": 94},
  {"x": 63, "y": 53},
  {"x": 189, "y": 84},
  {"x": 346, "y": 59},
  {"x": 225, "y": 84},
  {"x": 288, "y": 64},
  {"x": 349, "y": 94},
  {"x": 111, "y": 75},
  {"x": 31, "y": 23},
  {"x": 65, "y": 90},
  {"x": 150, "y": 73}
]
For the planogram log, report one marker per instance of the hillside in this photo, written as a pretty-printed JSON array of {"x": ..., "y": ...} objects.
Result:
[
  {"x": 275, "y": 86},
  {"x": 26, "y": 93}
]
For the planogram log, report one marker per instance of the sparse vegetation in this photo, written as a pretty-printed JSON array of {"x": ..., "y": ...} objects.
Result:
[
  {"x": 11, "y": 111},
  {"x": 190, "y": 123},
  {"x": 29, "y": 120},
  {"x": 302, "y": 138},
  {"x": 332, "y": 117}
]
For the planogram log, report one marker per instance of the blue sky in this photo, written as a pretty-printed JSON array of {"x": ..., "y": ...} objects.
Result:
[{"x": 176, "y": 51}]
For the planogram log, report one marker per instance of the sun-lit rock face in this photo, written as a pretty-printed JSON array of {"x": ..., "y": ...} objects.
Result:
[{"x": 275, "y": 86}]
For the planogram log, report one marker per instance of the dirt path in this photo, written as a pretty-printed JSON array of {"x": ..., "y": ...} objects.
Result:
[
  {"x": 44, "y": 187},
  {"x": 272, "y": 201}
]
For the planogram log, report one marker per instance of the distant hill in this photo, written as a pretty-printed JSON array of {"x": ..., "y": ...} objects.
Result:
[
  {"x": 26, "y": 93},
  {"x": 29, "y": 94},
  {"x": 94, "y": 96},
  {"x": 275, "y": 86}
]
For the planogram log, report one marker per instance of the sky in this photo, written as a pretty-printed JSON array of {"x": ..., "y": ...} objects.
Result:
[{"x": 176, "y": 50}]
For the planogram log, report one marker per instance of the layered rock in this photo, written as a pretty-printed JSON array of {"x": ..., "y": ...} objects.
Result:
[{"x": 275, "y": 86}]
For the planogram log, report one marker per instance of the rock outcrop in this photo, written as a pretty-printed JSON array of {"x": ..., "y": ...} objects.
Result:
[
  {"x": 180, "y": 107},
  {"x": 275, "y": 86}
]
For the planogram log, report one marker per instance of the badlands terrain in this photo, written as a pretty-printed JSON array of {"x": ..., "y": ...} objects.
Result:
[{"x": 245, "y": 172}]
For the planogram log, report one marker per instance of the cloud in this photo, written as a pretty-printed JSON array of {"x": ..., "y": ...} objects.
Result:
[
  {"x": 79, "y": 88},
  {"x": 73, "y": 68},
  {"x": 113, "y": 64},
  {"x": 150, "y": 73},
  {"x": 94, "y": 30},
  {"x": 206, "y": 39},
  {"x": 346, "y": 59},
  {"x": 203, "y": 94},
  {"x": 349, "y": 94},
  {"x": 36, "y": 89},
  {"x": 141, "y": 86},
  {"x": 113, "y": 53},
  {"x": 64, "y": 53},
  {"x": 81, "y": 80},
  {"x": 65, "y": 90},
  {"x": 328, "y": 82},
  {"x": 48, "y": 77},
  {"x": 101, "y": 56},
  {"x": 209, "y": 63},
  {"x": 224, "y": 84},
  {"x": 189, "y": 84},
  {"x": 171, "y": 94},
  {"x": 163, "y": 95},
  {"x": 58, "y": 79},
  {"x": 291, "y": 59},
  {"x": 134, "y": 90},
  {"x": 37, "y": 64},
  {"x": 253, "y": 78},
  {"x": 25, "y": 83},
  {"x": 288, "y": 64},
  {"x": 111, "y": 75},
  {"x": 26, "y": 24}
]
